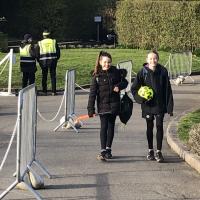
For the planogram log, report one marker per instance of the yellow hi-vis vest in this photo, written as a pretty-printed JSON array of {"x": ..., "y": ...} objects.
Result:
[
  {"x": 47, "y": 49},
  {"x": 25, "y": 56}
]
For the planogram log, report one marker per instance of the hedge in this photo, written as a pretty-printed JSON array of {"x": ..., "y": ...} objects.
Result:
[
  {"x": 158, "y": 24},
  {"x": 3, "y": 42},
  {"x": 194, "y": 139}
]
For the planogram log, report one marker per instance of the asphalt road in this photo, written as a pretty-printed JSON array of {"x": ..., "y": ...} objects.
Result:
[{"x": 71, "y": 158}]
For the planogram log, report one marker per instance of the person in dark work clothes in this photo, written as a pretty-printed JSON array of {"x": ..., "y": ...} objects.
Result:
[
  {"x": 27, "y": 61},
  {"x": 48, "y": 53}
]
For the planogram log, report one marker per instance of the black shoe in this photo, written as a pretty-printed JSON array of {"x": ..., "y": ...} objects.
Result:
[
  {"x": 159, "y": 157},
  {"x": 150, "y": 155},
  {"x": 108, "y": 154},
  {"x": 102, "y": 156}
]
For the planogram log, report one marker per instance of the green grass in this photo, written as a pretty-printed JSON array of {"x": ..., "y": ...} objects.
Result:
[
  {"x": 83, "y": 60},
  {"x": 186, "y": 123}
]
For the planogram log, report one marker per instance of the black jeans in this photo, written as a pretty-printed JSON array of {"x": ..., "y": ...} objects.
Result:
[
  {"x": 53, "y": 78},
  {"x": 159, "y": 132},
  {"x": 28, "y": 78},
  {"x": 107, "y": 130}
]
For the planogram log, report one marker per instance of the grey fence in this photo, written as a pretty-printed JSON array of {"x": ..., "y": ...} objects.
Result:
[
  {"x": 26, "y": 139},
  {"x": 128, "y": 65},
  {"x": 69, "y": 116},
  {"x": 180, "y": 65}
]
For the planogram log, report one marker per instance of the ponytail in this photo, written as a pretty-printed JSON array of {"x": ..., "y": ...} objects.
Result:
[{"x": 97, "y": 67}]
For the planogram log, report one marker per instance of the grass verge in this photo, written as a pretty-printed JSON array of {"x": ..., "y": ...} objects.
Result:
[
  {"x": 186, "y": 123},
  {"x": 83, "y": 60}
]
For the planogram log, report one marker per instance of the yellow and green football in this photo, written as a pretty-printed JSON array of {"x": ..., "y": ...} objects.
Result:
[{"x": 145, "y": 92}]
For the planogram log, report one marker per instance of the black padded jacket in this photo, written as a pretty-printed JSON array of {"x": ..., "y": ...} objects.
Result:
[
  {"x": 158, "y": 80},
  {"x": 101, "y": 88}
]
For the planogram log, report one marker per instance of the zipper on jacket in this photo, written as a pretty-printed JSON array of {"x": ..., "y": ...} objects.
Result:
[{"x": 109, "y": 90}]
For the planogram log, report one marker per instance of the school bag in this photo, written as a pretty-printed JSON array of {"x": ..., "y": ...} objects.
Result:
[{"x": 126, "y": 108}]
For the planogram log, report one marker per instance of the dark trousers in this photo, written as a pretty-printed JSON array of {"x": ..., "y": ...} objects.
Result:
[
  {"x": 53, "y": 78},
  {"x": 159, "y": 131},
  {"x": 28, "y": 78},
  {"x": 107, "y": 130}
]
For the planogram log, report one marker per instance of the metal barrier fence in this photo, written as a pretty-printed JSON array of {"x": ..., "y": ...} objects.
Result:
[
  {"x": 128, "y": 65},
  {"x": 180, "y": 65},
  {"x": 69, "y": 94},
  {"x": 69, "y": 100},
  {"x": 26, "y": 139},
  {"x": 9, "y": 58}
]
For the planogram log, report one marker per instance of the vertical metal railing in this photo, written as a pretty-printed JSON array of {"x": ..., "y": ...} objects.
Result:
[
  {"x": 128, "y": 65},
  {"x": 180, "y": 65},
  {"x": 69, "y": 115},
  {"x": 9, "y": 58},
  {"x": 26, "y": 139}
]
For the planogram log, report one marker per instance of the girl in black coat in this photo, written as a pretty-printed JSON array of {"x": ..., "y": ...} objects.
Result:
[
  {"x": 156, "y": 77},
  {"x": 107, "y": 81}
]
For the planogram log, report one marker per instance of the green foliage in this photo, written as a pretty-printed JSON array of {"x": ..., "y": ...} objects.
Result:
[
  {"x": 159, "y": 24},
  {"x": 194, "y": 139},
  {"x": 3, "y": 42},
  {"x": 68, "y": 20},
  {"x": 107, "y": 10},
  {"x": 83, "y": 60},
  {"x": 186, "y": 123},
  {"x": 35, "y": 18}
]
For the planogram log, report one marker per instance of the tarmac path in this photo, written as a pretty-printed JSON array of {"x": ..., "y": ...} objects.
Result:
[{"x": 71, "y": 158}]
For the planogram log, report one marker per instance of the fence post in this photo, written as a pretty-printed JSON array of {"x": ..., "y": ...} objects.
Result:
[
  {"x": 10, "y": 57},
  {"x": 10, "y": 72},
  {"x": 128, "y": 65},
  {"x": 26, "y": 140},
  {"x": 69, "y": 116}
]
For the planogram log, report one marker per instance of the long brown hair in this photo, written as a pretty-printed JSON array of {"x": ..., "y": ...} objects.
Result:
[{"x": 97, "y": 67}]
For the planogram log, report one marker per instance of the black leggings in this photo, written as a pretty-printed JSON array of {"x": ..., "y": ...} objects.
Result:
[
  {"x": 107, "y": 130},
  {"x": 159, "y": 133}
]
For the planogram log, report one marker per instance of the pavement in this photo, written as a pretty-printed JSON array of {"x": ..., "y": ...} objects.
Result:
[{"x": 70, "y": 157}]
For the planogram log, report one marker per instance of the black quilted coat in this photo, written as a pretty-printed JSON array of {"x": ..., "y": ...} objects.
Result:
[
  {"x": 158, "y": 80},
  {"x": 101, "y": 88}
]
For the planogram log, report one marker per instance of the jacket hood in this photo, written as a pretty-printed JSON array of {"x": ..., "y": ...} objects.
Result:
[
  {"x": 102, "y": 71},
  {"x": 158, "y": 67}
]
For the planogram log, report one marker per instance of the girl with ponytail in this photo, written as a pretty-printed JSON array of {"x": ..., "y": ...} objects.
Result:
[{"x": 106, "y": 84}]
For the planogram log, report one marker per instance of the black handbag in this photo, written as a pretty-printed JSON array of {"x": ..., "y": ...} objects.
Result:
[{"x": 126, "y": 108}]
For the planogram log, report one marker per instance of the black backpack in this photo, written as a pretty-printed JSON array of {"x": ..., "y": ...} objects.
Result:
[{"x": 126, "y": 108}]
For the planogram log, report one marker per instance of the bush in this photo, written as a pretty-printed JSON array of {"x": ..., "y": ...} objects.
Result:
[
  {"x": 186, "y": 123},
  {"x": 158, "y": 24},
  {"x": 196, "y": 52},
  {"x": 3, "y": 42},
  {"x": 194, "y": 139}
]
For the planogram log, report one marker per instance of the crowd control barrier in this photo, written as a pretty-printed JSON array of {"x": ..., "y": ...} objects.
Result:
[
  {"x": 180, "y": 66},
  {"x": 26, "y": 140},
  {"x": 69, "y": 115},
  {"x": 128, "y": 65},
  {"x": 8, "y": 59}
]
